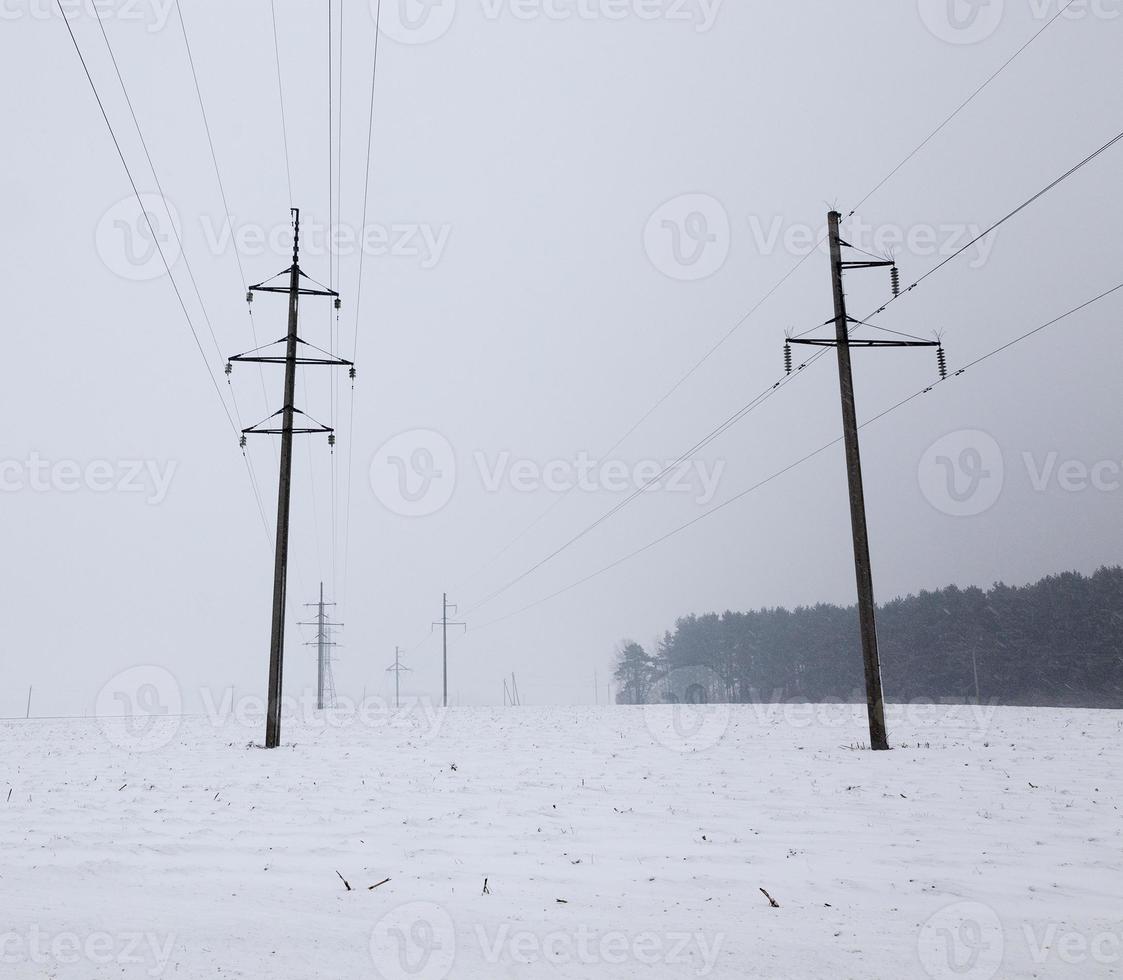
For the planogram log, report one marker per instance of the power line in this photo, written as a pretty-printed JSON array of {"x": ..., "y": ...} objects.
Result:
[
  {"x": 159, "y": 186},
  {"x": 725, "y": 337},
  {"x": 963, "y": 105},
  {"x": 160, "y": 251},
  {"x": 358, "y": 302},
  {"x": 651, "y": 411},
  {"x": 741, "y": 413},
  {"x": 281, "y": 97},
  {"x": 697, "y": 447},
  {"x": 218, "y": 176},
  {"x": 799, "y": 462}
]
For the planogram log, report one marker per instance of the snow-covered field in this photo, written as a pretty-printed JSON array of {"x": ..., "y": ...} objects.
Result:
[{"x": 616, "y": 842}]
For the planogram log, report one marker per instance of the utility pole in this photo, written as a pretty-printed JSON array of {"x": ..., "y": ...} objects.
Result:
[
  {"x": 29, "y": 690},
  {"x": 444, "y": 623},
  {"x": 292, "y": 357},
  {"x": 397, "y": 670},
  {"x": 875, "y": 700},
  {"x": 325, "y": 685}
]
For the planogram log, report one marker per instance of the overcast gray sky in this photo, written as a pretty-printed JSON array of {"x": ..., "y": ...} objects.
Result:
[{"x": 525, "y": 301}]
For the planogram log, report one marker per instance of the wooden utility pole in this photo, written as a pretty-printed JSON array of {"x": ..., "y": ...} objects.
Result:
[
  {"x": 875, "y": 699},
  {"x": 444, "y": 623},
  {"x": 287, "y": 429}
]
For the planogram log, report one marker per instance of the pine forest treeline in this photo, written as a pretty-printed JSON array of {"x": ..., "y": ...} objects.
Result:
[{"x": 1056, "y": 642}]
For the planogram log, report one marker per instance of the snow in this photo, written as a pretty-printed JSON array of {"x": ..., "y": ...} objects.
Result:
[{"x": 616, "y": 842}]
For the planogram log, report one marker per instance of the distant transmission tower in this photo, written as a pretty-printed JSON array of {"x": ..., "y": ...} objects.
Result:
[
  {"x": 396, "y": 668},
  {"x": 325, "y": 681},
  {"x": 444, "y": 623}
]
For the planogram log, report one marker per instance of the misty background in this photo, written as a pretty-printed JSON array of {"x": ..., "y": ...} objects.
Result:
[{"x": 537, "y": 150}]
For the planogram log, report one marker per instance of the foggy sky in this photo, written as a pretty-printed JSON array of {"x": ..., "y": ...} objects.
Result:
[{"x": 537, "y": 322}]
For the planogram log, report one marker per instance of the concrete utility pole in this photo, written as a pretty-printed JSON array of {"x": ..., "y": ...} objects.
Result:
[
  {"x": 294, "y": 290},
  {"x": 325, "y": 686},
  {"x": 397, "y": 669},
  {"x": 875, "y": 700},
  {"x": 444, "y": 623}
]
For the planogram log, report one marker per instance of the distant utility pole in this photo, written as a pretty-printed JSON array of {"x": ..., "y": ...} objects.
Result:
[
  {"x": 397, "y": 670},
  {"x": 325, "y": 683},
  {"x": 444, "y": 623},
  {"x": 875, "y": 700},
  {"x": 29, "y": 690},
  {"x": 294, "y": 355}
]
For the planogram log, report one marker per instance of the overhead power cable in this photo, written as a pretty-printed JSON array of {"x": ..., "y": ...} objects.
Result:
[
  {"x": 962, "y": 105},
  {"x": 744, "y": 411},
  {"x": 358, "y": 302},
  {"x": 740, "y": 322},
  {"x": 799, "y": 462},
  {"x": 163, "y": 257}
]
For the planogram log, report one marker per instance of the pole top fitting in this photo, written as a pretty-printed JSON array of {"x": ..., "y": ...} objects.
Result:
[{"x": 296, "y": 233}]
